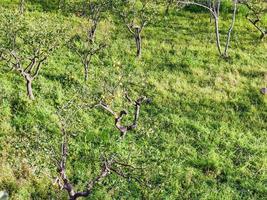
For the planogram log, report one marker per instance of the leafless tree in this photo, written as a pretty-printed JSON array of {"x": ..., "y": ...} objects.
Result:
[
  {"x": 109, "y": 165},
  {"x": 135, "y": 20},
  {"x": 225, "y": 54},
  {"x": 86, "y": 51},
  {"x": 63, "y": 180},
  {"x": 119, "y": 116},
  {"x": 136, "y": 30},
  {"x": 214, "y": 9},
  {"x": 24, "y": 49},
  {"x": 210, "y": 6},
  {"x": 31, "y": 71},
  {"x": 84, "y": 44}
]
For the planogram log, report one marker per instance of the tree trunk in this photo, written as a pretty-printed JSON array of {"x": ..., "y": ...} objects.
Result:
[
  {"x": 86, "y": 64},
  {"x": 263, "y": 32},
  {"x": 138, "y": 45},
  {"x": 29, "y": 88},
  {"x": 217, "y": 7},
  {"x": 217, "y": 35},
  {"x": 72, "y": 198},
  {"x": 230, "y": 30}
]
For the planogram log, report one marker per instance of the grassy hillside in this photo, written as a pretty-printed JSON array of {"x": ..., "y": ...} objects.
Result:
[{"x": 203, "y": 136}]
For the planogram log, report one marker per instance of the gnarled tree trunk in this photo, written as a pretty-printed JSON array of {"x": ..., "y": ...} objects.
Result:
[{"x": 29, "y": 88}]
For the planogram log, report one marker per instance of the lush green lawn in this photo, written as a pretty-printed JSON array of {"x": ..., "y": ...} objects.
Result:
[{"x": 203, "y": 136}]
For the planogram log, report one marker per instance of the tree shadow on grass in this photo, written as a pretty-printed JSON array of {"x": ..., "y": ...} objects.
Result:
[
  {"x": 45, "y": 5},
  {"x": 64, "y": 80}
]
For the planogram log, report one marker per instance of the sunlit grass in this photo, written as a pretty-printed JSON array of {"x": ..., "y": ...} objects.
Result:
[{"x": 202, "y": 137}]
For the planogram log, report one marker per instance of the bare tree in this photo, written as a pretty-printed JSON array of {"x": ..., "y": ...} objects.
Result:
[
  {"x": 210, "y": 6},
  {"x": 119, "y": 116},
  {"x": 63, "y": 180},
  {"x": 86, "y": 51},
  {"x": 109, "y": 165},
  {"x": 84, "y": 44},
  {"x": 136, "y": 30},
  {"x": 136, "y": 19},
  {"x": 30, "y": 72},
  {"x": 214, "y": 9},
  {"x": 25, "y": 49}
]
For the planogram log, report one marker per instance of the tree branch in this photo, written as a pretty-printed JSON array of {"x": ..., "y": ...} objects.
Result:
[
  {"x": 107, "y": 108},
  {"x": 130, "y": 28},
  {"x": 38, "y": 67},
  {"x": 30, "y": 65},
  {"x": 118, "y": 117}
]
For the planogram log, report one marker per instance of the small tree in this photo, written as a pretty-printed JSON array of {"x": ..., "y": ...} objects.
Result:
[
  {"x": 25, "y": 46},
  {"x": 214, "y": 8},
  {"x": 84, "y": 44},
  {"x": 136, "y": 15},
  {"x": 257, "y": 9},
  {"x": 110, "y": 164},
  {"x": 86, "y": 50}
]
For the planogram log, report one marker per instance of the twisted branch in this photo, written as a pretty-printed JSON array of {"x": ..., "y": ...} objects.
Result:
[
  {"x": 63, "y": 181},
  {"x": 119, "y": 116}
]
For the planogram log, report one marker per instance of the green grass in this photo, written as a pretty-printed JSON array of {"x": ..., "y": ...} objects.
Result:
[{"x": 202, "y": 137}]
